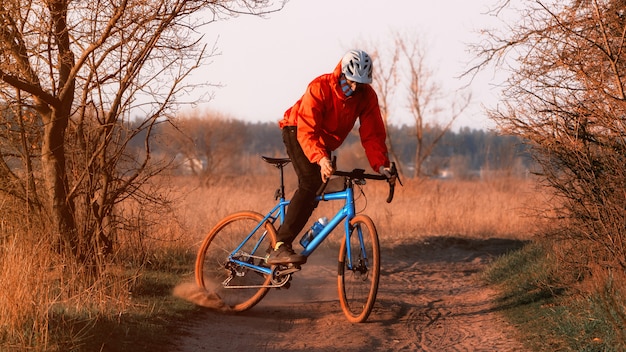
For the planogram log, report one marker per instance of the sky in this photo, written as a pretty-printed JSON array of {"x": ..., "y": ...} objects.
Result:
[{"x": 265, "y": 64}]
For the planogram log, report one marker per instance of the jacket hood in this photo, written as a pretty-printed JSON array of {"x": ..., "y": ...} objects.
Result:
[{"x": 337, "y": 71}]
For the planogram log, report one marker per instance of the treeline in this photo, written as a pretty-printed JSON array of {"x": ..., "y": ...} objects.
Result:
[{"x": 211, "y": 145}]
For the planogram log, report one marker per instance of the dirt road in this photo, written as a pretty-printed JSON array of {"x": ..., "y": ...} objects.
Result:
[{"x": 430, "y": 299}]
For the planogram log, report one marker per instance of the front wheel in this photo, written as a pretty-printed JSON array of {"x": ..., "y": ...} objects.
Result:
[
  {"x": 239, "y": 287},
  {"x": 359, "y": 269}
]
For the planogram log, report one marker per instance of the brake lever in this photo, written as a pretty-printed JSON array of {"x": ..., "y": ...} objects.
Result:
[
  {"x": 392, "y": 185},
  {"x": 394, "y": 171}
]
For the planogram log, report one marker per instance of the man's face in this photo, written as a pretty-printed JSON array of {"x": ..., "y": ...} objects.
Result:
[{"x": 353, "y": 85}]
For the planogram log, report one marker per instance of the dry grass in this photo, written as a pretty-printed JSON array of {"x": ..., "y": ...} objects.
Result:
[
  {"x": 25, "y": 298},
  {"x": 43, "y": 297},
  {"x": 505, "y": 208},
  {"x": 481, "y": 209}
]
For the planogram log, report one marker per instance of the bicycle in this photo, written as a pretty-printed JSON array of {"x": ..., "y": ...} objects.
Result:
[{"x": 232, "y": 258}]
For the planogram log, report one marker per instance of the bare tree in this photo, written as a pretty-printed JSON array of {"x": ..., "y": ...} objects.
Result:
[
  {"x": 566, "y": 96},
  {"x": 385, "y": 82},
  {"x": 71, "y": 75},
  {"x": 403, "y": 65},
  {"x": 425, "y": 98},
  {"x": 208, "y": 144}
]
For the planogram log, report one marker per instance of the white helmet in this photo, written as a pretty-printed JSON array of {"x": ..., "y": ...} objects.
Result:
[{"x": 356, "y": 65}]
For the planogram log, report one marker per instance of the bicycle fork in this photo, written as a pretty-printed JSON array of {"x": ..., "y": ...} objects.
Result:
[{"x": 358, "y": 265}]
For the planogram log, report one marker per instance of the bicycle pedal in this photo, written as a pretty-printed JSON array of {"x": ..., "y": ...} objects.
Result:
[{"x": 288, "y": 270}]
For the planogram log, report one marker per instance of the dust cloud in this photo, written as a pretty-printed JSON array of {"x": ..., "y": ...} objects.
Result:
[{"x": 189, "y": 291}]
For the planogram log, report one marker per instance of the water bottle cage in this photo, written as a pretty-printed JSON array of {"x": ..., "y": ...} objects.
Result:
[{"x": 312, "y": 232}]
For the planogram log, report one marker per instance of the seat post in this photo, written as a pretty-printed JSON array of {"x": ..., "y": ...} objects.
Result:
[
  {"x": 280, "y": 164},
  {"x": 282, "y": 181}
]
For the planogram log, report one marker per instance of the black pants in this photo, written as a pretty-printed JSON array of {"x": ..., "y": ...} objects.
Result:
[{"x": 309, "y": 181}]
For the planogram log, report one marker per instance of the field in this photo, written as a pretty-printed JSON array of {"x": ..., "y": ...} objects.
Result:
[{"x": 504, "y": 208}]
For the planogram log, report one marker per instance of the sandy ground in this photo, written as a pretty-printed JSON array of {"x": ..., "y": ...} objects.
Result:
[{"x": 430, "y": 299}]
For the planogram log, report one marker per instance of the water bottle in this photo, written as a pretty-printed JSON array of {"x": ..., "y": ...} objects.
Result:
[{"x": 313, "y": 231}]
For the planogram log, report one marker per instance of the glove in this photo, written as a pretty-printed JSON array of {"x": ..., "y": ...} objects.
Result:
[
  {"x": 326, "y": 168},
  {"x": 385, "y": 171}
]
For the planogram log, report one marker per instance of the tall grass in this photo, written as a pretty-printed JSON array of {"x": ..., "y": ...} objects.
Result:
[
  {"x": 46, "y": 304},
  {"x": 497, "y": 208},
  {"x": 505, "y": 208},
  {"x": 26, "y": 295}
]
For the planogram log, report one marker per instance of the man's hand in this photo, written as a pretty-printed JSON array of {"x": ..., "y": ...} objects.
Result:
[
  {"x": 385, "y": 171},
  {"x": 326, "y": 168}
]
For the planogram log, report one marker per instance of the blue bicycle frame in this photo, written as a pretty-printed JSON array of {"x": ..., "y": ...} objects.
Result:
[
  {"x": 245, "y": 275},
  {"x": 278, "y": 213}
]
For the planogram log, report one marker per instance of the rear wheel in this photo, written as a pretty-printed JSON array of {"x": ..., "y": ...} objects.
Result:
[
  {"x": 238, "y": 286},
  {"x": 359, "y": 270}
]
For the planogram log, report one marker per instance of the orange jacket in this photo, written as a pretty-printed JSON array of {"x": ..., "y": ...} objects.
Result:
[{"x": 324, "y": 117}]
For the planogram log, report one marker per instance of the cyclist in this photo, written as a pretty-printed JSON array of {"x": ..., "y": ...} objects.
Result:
[{"x": 316, "y": 125}]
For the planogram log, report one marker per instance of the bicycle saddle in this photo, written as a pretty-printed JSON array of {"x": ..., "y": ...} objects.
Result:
[{"x": 278, "y": 162}]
